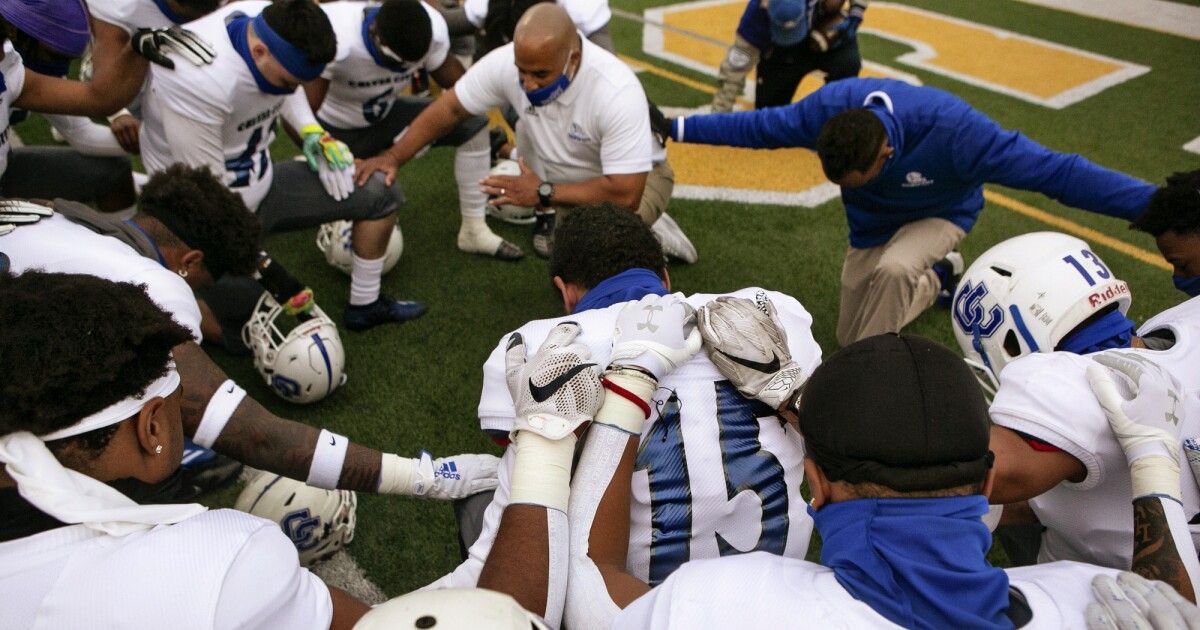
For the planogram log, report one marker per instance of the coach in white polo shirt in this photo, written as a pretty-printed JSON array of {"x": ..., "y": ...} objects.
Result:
[{"x": 584, "y": 135}]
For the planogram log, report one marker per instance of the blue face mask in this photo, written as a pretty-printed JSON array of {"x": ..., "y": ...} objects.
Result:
[
  {"x": 548, "y": 94},
  {"x": 1190, "y": 286}
]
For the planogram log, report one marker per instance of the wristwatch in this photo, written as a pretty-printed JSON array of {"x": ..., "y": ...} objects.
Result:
[{"x": 545, "y": 191}]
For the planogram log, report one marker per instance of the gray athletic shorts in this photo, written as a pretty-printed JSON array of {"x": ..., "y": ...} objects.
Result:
[
  {"x": 59, "y": 172},
  {"x": 371, "y": 141}
]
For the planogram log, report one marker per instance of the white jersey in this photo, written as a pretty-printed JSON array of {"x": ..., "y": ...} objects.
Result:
[
  {"x": 12, "y": 81},
  {"x": 760, "y": 590},
  {"x": 1048, "y": 397},
  {"x": 55, "y": 244},
  {"x": 224, "y": 94},
  {"x": 589, "y": 16},
  {"x": 362, "y": 92},
  {"x": 600, "y": 125},
  {"x": 219, "y": 569},
  {"x": 738, "y": 488},
  {"x": 130, "y": 15}
]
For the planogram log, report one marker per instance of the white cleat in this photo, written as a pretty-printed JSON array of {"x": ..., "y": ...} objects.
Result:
[{"x": 674, "y": 242}]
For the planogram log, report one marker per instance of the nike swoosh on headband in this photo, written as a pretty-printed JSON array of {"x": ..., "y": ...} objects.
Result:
[{"x": 542, "y": 393}]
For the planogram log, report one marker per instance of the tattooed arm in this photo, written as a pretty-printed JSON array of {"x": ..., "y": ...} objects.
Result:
[
  {"x": 259, "y": 438},
  {"x": 1156, "y": 552}
]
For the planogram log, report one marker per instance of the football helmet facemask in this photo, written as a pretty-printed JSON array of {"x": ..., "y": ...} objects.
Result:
[
  {"x": 519, "y": 215},
  {"x": 318, "y": 521},
  {"x": 334, "y": 240},
  {"x": 303, "y": 366},
  {"x": 1026, "y": 295}
]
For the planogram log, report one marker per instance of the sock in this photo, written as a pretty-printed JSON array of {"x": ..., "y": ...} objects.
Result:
[
  {"x": 471, "y": 164},
  {"x": 474, "y": 236},
  {"x": 366, "y": 276}
]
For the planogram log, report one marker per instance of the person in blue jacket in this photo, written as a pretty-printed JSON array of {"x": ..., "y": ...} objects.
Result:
[
  {"x": 911, "y": 162},
  {"x": 1173, "y": 219},
  {"x": 774, "y": 38}
]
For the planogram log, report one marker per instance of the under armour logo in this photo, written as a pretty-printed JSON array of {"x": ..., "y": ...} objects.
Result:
[
  {"x": 650, "y": 310},
  {"x": 1174, "y": 419}
]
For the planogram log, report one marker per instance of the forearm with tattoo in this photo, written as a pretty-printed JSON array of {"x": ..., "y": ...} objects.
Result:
[{"x": 1155, "y": 555}]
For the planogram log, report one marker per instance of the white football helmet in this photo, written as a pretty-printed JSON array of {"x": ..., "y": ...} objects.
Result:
[
  {"x": 451, "y": 609},
  {"x": 303, "y": 366},
  {"x": 1025, "y": 295},
  {"x": 318, "y": 521},
  {"x": 334, "y": 240},
  {"x": 520, "y": 215}
]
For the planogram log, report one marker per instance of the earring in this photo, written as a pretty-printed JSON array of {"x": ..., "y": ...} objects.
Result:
[
  {"x": 183, "y": 273},
  {"x": 158, "y": 449}
]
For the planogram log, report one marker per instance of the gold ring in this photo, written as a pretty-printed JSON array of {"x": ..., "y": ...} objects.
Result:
[{"x": 503, "y": 191}]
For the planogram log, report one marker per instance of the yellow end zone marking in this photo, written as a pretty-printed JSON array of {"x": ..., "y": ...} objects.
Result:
[{"x": 1093, "y": 237}]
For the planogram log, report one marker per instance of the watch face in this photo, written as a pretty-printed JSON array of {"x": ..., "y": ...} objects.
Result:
[{"x": 545, "y": 189}]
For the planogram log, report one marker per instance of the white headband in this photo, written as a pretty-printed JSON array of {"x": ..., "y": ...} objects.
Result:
[{"x": 73, "y": 497}]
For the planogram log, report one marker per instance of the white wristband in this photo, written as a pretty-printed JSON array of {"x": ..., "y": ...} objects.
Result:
[
  {"x": 327, "y": 460},
  {"x": 220, "y": 409},
  {"x": 625, "y": 414},
  {"x": 123, "y": 112},
  {"x": 395, "y": 474},
  {"x": 542, "y": 472},
  {"x": 1154, "y": 476}
]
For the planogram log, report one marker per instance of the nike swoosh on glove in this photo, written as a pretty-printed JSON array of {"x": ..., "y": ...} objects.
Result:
[
  {"x": 557, "y": 390},
  {"x": 749, "y": 347}
]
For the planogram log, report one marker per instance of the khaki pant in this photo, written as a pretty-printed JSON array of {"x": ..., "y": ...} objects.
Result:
[
  {"x": 660, "y": 183},
  {"x": 887, "y": 286}
]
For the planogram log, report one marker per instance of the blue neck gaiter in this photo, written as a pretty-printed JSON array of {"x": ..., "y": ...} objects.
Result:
[
  {"x": 919, "y": 562},
  {"x": 1114, "y": 330},
  {"x": 237, "y": 36},
  {"x": 1190, "y": 286},
  {"x": 380, "y": 59},
  {"x": 631, "y": 284}
]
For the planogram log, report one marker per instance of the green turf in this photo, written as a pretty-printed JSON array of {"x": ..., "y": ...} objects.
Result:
[{"x": 416, "y": 386}]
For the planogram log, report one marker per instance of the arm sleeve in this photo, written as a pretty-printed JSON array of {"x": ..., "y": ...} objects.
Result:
[
  {"x": 986, "y": 152},
  {"x": 788, "y": 126},
  {"x": 194, "y": 143},
  {"x": 755, "y": 25},
  {"x": 296, "y": 111},
  {"x": 588, "y": 604},
  {"x": 282, "y": 594},
  {"x": 86, "y": 136},
  {"x": 1181, "y": 534}
]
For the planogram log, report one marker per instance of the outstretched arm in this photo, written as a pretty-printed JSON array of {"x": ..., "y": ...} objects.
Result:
[{"x": 435, "y": 121}]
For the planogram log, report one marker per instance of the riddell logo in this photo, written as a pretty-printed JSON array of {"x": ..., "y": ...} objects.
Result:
[
  {"x": 1113, "y": 292},
  {"x": 449, "y": 471}
]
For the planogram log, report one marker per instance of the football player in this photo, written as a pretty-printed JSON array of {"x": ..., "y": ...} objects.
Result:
[
  {"x": 779, "y": 40},
  {"x": 1173, "y": 219},
  {"x": 174, "y": 249},
  {"x": 222, "y": 115},
  {"x": 1029, "y": 314},
  {"x": 359, "y": 99},
  {"x": 719, "y": 472}
]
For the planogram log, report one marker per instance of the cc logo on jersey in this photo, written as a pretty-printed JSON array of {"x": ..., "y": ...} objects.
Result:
[
  {"x": 969, "y": 313},
  {"x": 299, "y": 526}
]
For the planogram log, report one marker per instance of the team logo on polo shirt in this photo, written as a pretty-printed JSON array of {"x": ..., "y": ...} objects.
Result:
[
  {"x": 915, "y": 180},
  {"x": 577, "y": 134}
]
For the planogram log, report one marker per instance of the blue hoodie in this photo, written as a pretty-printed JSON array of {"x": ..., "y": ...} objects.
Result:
[{"x": 945, "y": 152}]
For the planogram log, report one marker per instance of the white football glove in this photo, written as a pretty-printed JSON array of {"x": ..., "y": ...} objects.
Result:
[
  {"x": 454, "y": 477},
  {"x": 749, "y": 347},
  {"x": 1131, "y": 602},
  {"x": 557, "y": 390},
  {"x": 15, "y": 212},
  {"x": 1147, "y": 421},
  {"x": 155, "y": 43},
  {"x": 656, "y": 334},
  {"x": 338, "y": 182}
]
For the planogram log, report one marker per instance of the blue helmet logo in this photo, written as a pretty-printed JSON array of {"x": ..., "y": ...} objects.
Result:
[
  {"x": 299, "y": 527},
  {"x": 969, "y": 313}
]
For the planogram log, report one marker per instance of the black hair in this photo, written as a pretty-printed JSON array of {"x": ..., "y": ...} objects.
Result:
[
  {"x": 199, "y": 8},
  {"x": 594, "y": 243},
  {"x": 502, "y": 18},
  {"x": 73, "y": 344},
  {"x": 403, "y": 26},
  {"x": 850, "y": 142},
  {"x": 205, "y": 215},
  {"x": 1173, "y": 208},
  {"x": 304, "y": 25}
]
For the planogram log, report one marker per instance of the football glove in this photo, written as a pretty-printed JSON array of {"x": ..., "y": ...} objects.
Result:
[
  {"x": 17, "y": 212},
  {"x": 748, "y": 346},
  {"x": 338, "y": 182},
  {"x": 1131, "y": 602},
  {"x": 655, "y": 334},
  {"x": 659, "y": 124},
  {"x": 557, "y": 390},
  {"x": 155, "y": 43},
  {"x": 1147, "y": 421},
  {"x": 319, "y": 144},
  {"x": 454, "y": 477}
]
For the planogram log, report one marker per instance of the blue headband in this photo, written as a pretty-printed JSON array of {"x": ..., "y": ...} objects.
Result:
[{"x": 290, "y": 57}]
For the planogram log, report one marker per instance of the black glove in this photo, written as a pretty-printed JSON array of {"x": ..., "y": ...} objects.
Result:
[
  {"x": 155, "y": 43},
  {"x": 659, "y": 124}
]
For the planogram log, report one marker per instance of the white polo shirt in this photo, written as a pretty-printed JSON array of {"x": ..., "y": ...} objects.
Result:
[
  {"x": 362, "y": 92},
  {"x": 218, "y": 569},
  {"x": 600, "y": 125},
  {"x": 589, "y": 16},
  {"x": 55, "y": 244}
]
